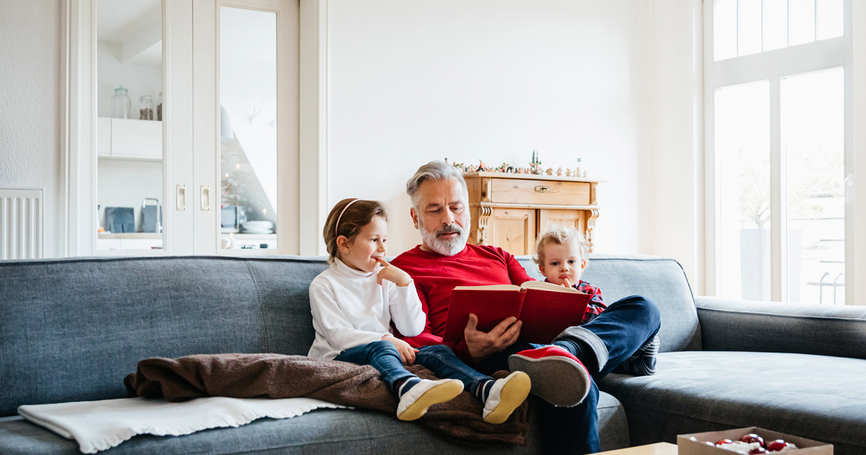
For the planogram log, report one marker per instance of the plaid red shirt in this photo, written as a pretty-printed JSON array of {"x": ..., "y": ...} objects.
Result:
[{"x": 595, "y": 305}]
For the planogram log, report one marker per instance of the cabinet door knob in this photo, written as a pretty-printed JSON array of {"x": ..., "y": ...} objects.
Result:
[{"x": 542, "y": 189}]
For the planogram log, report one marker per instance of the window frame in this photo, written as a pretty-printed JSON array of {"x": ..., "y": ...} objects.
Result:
[{"x": 773, "y": 66}]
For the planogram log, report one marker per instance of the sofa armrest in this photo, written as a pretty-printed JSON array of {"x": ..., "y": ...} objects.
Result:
[{"x": 740, "y": 325}]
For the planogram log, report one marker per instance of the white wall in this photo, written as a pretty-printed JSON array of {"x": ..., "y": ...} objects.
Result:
[
  {"x": 414, "y": 81},
  {"x": 138, "y": 79},
  {"x": 411, "y": 81},
  {"x": 30, "y": 82},
  {"x": 672, "y": 167}
]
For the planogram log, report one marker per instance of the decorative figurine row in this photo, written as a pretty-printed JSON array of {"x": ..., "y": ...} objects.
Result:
[{"x": 534, "y": 168}]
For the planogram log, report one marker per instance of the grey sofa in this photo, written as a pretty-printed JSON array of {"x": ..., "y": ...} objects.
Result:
[{"x": 71, "y": 329}]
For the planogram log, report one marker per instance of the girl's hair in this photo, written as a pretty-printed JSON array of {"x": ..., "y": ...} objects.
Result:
[
  {"x": 352, "y": 215},
  {"x": 559, "y": 235}
]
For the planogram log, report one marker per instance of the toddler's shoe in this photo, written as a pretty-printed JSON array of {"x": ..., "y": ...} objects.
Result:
[
  {"x": 643, "y": 361},
  {"x": 425, "y": 393},
  {"x": 506, "y": 395},
  {"x": 558, "y": 377}
]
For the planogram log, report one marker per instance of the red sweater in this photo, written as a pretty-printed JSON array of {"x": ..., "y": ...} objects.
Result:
[{"x": 436, "y": 275}]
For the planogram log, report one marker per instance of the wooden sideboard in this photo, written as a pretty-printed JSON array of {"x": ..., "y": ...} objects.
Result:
[{"x": 509, "y": 210}]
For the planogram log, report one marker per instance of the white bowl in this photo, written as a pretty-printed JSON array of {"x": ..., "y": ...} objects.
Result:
[{"x": 258, "y": 225}]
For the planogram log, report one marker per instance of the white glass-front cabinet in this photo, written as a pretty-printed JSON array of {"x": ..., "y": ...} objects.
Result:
[{"x": 196, "y": 124}]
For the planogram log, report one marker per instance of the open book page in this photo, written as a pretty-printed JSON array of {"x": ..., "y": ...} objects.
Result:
[
  {"x": 544, "y": 285},
  {"x": 490, "y": 287}
]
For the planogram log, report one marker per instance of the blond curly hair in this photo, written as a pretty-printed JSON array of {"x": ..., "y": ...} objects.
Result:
[{"x": 560, "y": 235}]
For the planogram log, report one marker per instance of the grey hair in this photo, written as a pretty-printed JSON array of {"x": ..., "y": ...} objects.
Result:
[
  {"x": 560, "y": 235},
  {"x": 434, "y": 170}
]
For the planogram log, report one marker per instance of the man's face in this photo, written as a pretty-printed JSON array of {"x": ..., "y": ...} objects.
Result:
[{"x": 442, "y": 216}]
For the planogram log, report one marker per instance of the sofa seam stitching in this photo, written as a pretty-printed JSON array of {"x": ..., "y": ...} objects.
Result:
[
  {"x": 368, "y": 439},
  {"x": 261, "y": 307},
  {"x": 779, "y": 315}
]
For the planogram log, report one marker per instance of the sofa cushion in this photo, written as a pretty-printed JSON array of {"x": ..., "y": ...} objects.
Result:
[
  {"x": 661, "y": 280},
  {"x": 334, "y": 431},
  {"x": 322, "y": 431},
  {"x": 283, "y": 288},
  {"x": 811, "y": 396},
  {"x": 71, "y": 329}
]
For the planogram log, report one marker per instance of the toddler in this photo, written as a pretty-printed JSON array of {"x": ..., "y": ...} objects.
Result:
[
  {"x": 561, "y": 255},
  {"x": 357, "y": 299}
]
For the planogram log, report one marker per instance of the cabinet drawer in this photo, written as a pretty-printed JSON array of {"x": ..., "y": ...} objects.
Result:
[{"x": 516, "y": 191}]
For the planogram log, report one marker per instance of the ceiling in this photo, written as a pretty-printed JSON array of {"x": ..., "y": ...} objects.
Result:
[
  {"x": 136, "y": 26},
  {"x": 135, "y": 29},
  {"x": 116, "y": 19}
]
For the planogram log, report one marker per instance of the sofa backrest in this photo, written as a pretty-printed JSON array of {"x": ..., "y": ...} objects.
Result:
[
  {"x": 72, "y": 329},
  {"x": 661, "y": 280}
]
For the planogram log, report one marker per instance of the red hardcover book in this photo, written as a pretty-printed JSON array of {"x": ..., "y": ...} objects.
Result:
[{"x": 546, "y": 309}]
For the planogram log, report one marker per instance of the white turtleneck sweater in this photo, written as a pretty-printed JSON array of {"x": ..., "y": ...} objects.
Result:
[{"x": 350, "y": 309}]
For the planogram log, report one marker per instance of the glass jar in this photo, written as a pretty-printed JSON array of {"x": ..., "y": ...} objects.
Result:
[
  {"x": 145, "y": 108},
  {"x": 121, "y": 103},
  {"x": 159, "y": 107}
]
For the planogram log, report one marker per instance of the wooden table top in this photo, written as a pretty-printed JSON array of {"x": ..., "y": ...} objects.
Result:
[{"x": 661, "y": 448}]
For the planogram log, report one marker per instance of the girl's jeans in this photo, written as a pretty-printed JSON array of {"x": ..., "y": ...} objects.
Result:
[{"x": 439, "y": 359}]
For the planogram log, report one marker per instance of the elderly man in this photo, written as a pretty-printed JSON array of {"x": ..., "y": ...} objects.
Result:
[{"x": 563, "y": 374}]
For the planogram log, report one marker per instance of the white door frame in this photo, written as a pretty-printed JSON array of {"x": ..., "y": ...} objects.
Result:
[{"x": 313, "y": 165}]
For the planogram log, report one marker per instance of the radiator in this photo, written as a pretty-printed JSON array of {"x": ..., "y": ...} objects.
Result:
[{"x": 21, "y": 215}]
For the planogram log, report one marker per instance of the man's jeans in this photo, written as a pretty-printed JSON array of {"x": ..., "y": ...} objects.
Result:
[
  {"x": 623, "y": 327},
  {"x": 439, "y": 359}
]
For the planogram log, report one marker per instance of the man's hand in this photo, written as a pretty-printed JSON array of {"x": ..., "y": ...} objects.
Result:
[
  {"x": 407, "y": 352},
  {"x": 484, "y": 344},
  {"x": 392, "y": 274}
]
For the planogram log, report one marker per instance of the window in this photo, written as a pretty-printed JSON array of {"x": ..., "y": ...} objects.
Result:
[
  {"x": 744, "y": 27},
  {"x": 743, "y": 148},
  {"x": 777, "y": 155}
]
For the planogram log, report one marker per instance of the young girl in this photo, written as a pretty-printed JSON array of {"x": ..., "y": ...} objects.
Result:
[
  {"x": 561, "y": 255},
  {"x": 357, "y": 299}
]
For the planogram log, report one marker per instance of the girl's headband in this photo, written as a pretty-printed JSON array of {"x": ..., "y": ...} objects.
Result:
[{"x": 337, "y": 227}]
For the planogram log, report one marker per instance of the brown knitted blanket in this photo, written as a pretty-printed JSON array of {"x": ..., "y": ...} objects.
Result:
[{"x": 286, "y": 376}]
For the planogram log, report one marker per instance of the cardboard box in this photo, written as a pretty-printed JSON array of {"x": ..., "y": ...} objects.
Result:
[{"x": 685, "y": 446}]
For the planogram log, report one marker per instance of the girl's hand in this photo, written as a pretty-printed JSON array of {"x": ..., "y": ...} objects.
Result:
[
  {"x": 392, "y": 274},
  {"x": 407, "y": 352},
  {"x": 567, "y": 283}
]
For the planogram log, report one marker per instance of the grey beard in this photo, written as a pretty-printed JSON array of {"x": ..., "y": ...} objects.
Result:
[{"x": 445, "y": 247}]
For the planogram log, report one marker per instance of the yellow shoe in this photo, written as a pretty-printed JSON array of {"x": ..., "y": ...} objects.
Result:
[
  {"x": 414, "y": 403},
  {"x": 506, "y": 395}
]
